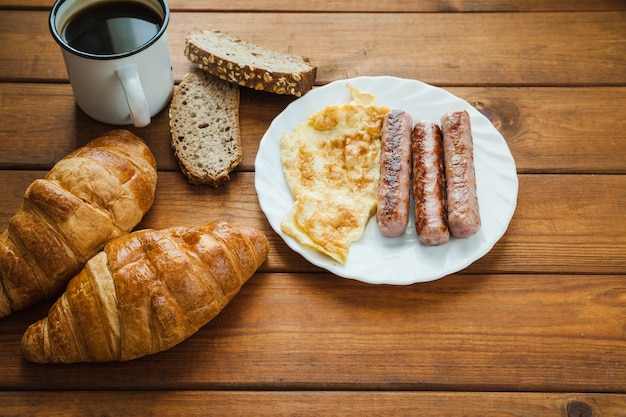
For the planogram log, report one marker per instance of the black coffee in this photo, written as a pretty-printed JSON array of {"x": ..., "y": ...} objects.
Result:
[{"x": 112, "y": 28}]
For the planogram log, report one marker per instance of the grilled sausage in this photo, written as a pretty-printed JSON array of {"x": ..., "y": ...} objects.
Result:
[
  {"x": 428, "y": 184},
  {"x": 392, "y": 214},
  {"x": 462, "y": 200}
]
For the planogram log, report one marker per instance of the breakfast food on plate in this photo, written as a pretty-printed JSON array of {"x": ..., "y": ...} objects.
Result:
[
  {"x": 96, "y": 193},
  {"x": 331, "y": 164},
  {"x": 146, "y": 292},
  {"x": 249, "y": 65},
  {"x": 204, "y": 128},
  {"x": 428, "y": 184},
  {"x": 392, "y": 214},
  {"x": 462, "y": 200}
]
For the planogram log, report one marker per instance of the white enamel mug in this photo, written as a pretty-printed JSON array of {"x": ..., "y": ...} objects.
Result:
[{"x": 121, "y": 88}]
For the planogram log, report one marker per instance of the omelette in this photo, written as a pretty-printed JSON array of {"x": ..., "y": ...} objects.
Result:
[{"x": 332, "y": 167}]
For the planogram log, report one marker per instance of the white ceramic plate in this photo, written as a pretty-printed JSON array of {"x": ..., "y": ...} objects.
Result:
[{"x": 401, "y": 260}]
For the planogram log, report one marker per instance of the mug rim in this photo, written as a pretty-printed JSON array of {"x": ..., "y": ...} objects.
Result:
[{"x": 58, "y": 38}]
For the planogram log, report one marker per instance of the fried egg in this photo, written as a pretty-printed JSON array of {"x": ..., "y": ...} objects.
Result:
[{"x": 332, "y": 166}]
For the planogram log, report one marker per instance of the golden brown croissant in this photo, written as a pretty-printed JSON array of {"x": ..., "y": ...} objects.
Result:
[
  {"x": 94, "y": 194},
  {"x": 146, "y": 292}
]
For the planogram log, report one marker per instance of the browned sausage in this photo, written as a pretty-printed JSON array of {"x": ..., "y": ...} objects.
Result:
[
  {"x": 462, "y": 200},
  {"x": 392, "y": 214},
  {"x": 428, "y": 184}
]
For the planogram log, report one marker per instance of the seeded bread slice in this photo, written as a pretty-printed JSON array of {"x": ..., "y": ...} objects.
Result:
[
  {"x": 248, "y": 65},
  {"x": 204, "y": 128}
]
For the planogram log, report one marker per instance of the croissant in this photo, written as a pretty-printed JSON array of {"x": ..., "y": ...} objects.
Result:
[
  {"x": 146, "y": 292},
  {"x": 96, "y": 193}
]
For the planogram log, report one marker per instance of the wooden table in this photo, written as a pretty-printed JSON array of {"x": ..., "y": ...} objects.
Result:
[{"x": 537, "y": 327}]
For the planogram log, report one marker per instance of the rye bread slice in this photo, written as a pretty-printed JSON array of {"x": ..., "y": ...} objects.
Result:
[
  {"x": 204, "y": 128},
  {"x": 249, "y": 65}
]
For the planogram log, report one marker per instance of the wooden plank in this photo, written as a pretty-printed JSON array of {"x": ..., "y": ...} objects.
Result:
[
  {"x": 535, "y": 328},
  {"x": 557, "y": 130},
  {"x": 542, "y": 238},
  {"x": 371, "y": 6},
  {"x": 442, "y": 48},
  {"x": 560, "y": 223},
  {"x": 549, "y": 130},
  {"x": 37, "y": 133},
  {"x": 540, "y": 333},
  {"x": 313, "y": 404}
]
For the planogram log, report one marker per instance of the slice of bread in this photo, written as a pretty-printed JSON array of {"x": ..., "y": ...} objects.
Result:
[
  {"x": 204, "y": 128},
  {"x": 248, "y": 65}
]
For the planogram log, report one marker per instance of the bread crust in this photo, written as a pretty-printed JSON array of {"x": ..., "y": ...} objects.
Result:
[
  {"x": 96, "y": 193},
  {"x": 146, "y": 292},
  {"x": 199, "y": 100},
  {"x": 255, "y": 77}
]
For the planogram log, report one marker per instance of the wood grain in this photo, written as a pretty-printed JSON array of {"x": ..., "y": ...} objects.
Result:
[
  {"x": 350, "y": 5},
  {"x": 312, "y": 404},
  {"x": 559, "y": 333},
  {"x": 534, "y": 328},
  {"x": 476, "y": 49},
  {"x": 549, "y": 130},
  {"x": 572, "y": 226}
]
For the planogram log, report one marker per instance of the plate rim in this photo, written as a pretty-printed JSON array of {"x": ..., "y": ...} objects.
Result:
[{"x": 311, "y": 99}]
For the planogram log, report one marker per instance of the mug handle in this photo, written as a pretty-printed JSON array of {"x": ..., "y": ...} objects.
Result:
[{"x": 135, "y": 96}]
